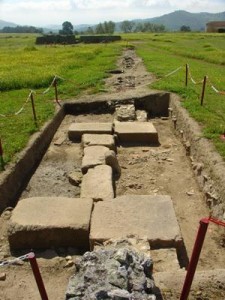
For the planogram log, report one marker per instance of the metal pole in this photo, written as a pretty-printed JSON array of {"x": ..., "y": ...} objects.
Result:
[
  {"x": 203, "y": 89},
  {"x": 186, "y": 75},
  {"x": 2, "y": 168},
  {"x": 194, "y": 258},
  {"x": 37, "y": 276},
  {"x": 33, "y": 108}
]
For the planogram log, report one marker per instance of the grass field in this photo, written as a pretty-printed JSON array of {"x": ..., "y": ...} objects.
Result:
[
  {"x": 205, "y": 55},
  {"x": 25, "y": 67}
]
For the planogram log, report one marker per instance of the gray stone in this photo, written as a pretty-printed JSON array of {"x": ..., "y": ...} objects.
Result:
[
  {"x": 125, "y": 113},
  {"x": 97, "y": 184},
  {"x": 99, "y": 155},
  {"x": 45, "y": 222},
  {"x": 93, "y": 156},
  {"x": 136, "y": 132},
  {"x": 141, "y": 115},
  {"x": 143, "y": 216},
  {"x": 75, "y": 178},
  {"x": 76, "y": 130},
  {"x": 115, "y": 274},
  {"x": 106, "y": 140},
  {"x": 2, "y": 276},
  {"x": 111, "y": 160}
]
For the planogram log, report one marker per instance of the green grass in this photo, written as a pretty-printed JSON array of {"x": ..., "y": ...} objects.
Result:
[
  {"x": 205, "y": 54},
  {"x": 25, "y": 67}
]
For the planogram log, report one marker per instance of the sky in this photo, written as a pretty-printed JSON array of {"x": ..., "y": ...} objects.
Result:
[{"x": 48, "y": 12}]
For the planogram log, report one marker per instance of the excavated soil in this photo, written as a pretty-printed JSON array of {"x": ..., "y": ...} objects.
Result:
[{"x": 163, "y": 170}]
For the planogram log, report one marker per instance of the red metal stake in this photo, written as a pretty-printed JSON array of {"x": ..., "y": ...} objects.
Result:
[
  {"x": 37, "y": 275},
  {"x": 194, "y": 258}
]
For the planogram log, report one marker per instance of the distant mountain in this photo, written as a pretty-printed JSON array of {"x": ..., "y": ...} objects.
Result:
[
  {"x": 172, "y": 21},
  {"x": 5, "y": 23},
  {"x": 196, "y": 21}
]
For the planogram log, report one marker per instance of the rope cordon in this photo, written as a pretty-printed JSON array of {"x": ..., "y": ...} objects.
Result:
[{"x": 14, "y": 261}]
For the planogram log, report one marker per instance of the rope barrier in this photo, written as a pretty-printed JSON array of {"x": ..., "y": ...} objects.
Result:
[
  {"x": 35, "y": 269},
  {"x": 173, "y": 72},
  {"x": 215, "y": 89},
  {"x": 19, "y": 111},
  {"x": 192, "y": 79},
  {"x": 13, "y": 261},
  {"x": 53, "y": 83},
  {"x": 48, "y": 89}
]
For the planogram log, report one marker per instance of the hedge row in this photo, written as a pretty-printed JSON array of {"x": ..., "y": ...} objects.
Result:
[
  {"x": 89, "y": 39},
  {"x": 70, "y": 39},
  {"x": 56, "y": 39}
]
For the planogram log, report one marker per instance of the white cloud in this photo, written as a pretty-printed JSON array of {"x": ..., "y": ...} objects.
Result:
[{"x": 42, "y": 12}]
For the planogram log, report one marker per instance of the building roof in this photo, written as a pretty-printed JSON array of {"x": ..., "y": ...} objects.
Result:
[{"x": 216, "y": 23}]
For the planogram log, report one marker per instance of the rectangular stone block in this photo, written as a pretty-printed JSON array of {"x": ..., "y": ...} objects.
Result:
[
  {"x": 98, "y": 184},
  {"x": 106, "y": 140},
  {"x": 150, "y": 217},
  {"x": 45, "y": 222},
  {"x": 76, "y": 130},
  {"x": 136, "y": 133},
  {"x": 93, "y": 156}
]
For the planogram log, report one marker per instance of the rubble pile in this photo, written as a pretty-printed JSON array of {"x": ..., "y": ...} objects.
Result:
[{"x": 116, "y": 274}]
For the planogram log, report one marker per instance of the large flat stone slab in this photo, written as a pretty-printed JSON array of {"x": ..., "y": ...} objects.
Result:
[
  {"x": 99, "y": 155},
  {"x": 93, "y": 156},
  {"x": 152, "y": 217},
  {"x": 98, "y": 184},
  {"x": 136, "y": 132},
  {"x": 45, "y": 222},
  {"x": 106, "y": 140},
  {"x": 76, "y": 130}
]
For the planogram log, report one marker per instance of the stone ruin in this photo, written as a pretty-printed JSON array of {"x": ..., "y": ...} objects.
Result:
[{"x": 117, "y": 271}]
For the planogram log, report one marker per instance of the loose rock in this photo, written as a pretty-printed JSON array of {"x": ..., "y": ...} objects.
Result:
[
  {"x": 2, "y": 276},
  {"x": 100, "y": 272}
]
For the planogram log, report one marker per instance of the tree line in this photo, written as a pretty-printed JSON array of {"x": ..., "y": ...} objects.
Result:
[
  {"x": 21, "y": 29},
  {"x": 102, "y": 28},
  {"x": 125, "y": 26}
]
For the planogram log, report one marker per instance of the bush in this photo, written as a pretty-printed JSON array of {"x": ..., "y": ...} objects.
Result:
[
  {"x": 55, "y": 39},
  {"x": 89, "y": 39}
]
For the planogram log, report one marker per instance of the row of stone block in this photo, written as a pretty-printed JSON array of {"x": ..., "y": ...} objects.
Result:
[
  {"x": 126, "y": 132},
  {"x": 98, "y": 165},
  {"x": 45, "y": 222}
]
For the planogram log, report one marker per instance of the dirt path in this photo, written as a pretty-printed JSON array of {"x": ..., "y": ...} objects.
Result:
[{"x": 159, "y": 170}]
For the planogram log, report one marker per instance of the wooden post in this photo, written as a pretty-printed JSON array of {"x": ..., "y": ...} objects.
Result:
[
  {"x": 33, "y": 108},
  {"x": 2, "y": 167},
  {"x": 186, "y": 75},
  {"x": 203, "y": 89},
  {"x": 56, "y": 91}
]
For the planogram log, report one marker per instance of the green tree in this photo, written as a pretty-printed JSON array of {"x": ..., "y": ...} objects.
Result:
[
  {"x": 67, "y": 28},
  {"x": 111, "y": 27},
  {"x": 90, "y": 30},
  {"x": 105, "y": 28},
  {"x": 99, "y": 29},
  {"x": 127, "y": 26},
  {"x": 185, "y": 28}
]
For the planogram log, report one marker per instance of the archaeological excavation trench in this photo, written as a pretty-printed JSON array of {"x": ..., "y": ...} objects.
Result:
[{"x": 115, "y": 167}]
